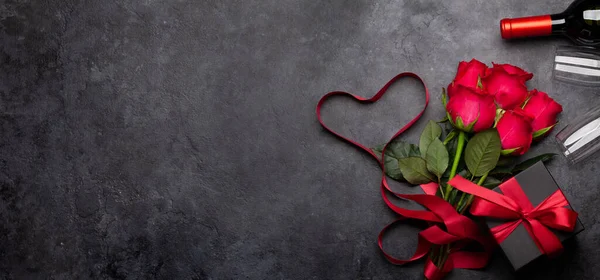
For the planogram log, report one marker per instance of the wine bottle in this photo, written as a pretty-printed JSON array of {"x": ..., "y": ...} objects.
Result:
[{"x": 580, "y": 22}]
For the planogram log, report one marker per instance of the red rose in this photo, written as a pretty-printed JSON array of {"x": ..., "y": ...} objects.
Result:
[
  {"x": 507, "y": 84},
  {"x": 470, "y": 110},
  {"x": 514, "y": 128},
  {"x": 544, "y": 111},
  {"x": 468, "y": 74},
  {"x": 514, "y": 70}
]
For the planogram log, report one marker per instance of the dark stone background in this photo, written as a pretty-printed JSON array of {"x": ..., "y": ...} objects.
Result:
[{"x": 177, "y": 139}]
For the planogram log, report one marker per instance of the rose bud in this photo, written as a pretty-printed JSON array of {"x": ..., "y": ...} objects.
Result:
[
  {"x": 471, "y": 110},
  {"x": 514, "y": 128},
  {"x": 507, "y": 84},
  {"x": 544, "y": 111},
  {"x": 468, "y": 74}
]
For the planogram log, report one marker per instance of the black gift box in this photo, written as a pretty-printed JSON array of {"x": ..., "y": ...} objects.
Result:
[{"x": 519, "y": 247}]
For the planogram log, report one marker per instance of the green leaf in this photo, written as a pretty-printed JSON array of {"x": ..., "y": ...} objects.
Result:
[
  {"x": 491, "y": 182},
  {"x": 431, "y": 131},
  {"x": 508, "y": 152},
  {"x": 505, "y": 166},
  {"x": 479, "y": 83},
  {"x": 378, "y": 149},
  {"x": 502, "y": 170},
  {"x": 396, "y": 150},
  {"x": 444, "y": 97},
  {"x": 460, "y": 124},
  {"x": 449, "y": 127},
  {"x": 415, "y": 170},
  {"x": 507, "y": 161},
  {"x": 465, "y": 173},
  {"x": 528, "y": 163},
  {"x": 437, "y": 158},
  {"x": 542, "y": 131},
  {"x": 508, "y": 165},
  {"x": 449, "y": 118},
  {"x": 526, "y": 101},
  {"x": 450, "y": 136},
  {"x": 470, "y": 126},
  {"x": 399, "y": 149},
  {"x": 482, "y": 152},
  {"x": 499, "y": 113}
]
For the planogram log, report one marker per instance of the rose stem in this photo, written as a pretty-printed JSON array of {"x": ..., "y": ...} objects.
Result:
[
  {"x": 445, "y": 249},
  {"x": 462, "y": 208},
  {"x": 462, "y": 197},
  {"x": 459, "y": 149}
]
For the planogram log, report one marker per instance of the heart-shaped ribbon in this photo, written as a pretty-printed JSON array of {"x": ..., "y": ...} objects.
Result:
[
  {"x": 424, "y": 215},
  {"x": 459, "y": 227}
]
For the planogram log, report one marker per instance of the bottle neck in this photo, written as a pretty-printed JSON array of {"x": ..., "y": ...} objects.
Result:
[
  {"x": 527, "y": 26},
  {"x": 559, "y": 23}
]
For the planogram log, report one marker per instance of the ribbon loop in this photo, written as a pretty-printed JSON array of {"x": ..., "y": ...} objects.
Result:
[{"x": 557, "y": 218}]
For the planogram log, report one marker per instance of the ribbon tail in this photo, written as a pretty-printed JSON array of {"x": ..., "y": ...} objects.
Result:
[
  {"x": 557, "y": 218},
  {"x": 432, "y": 272},
  {"x": 552, "y": 213},
  {"x": 430, "y": 189},
  {"x": 408, "y": 213},
  {"x": 423, "y": 246},
  {"x": 557, "y": 199},
  {"x": 545, "y": 239},
  {"x": 469, "y": 260}
]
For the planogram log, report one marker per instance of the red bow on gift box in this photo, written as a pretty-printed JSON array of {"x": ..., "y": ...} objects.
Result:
[{"x": 515, "y": 207}]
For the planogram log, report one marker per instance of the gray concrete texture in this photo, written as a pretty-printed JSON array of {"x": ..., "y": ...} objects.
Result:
[{"x": 177, "y": 139}]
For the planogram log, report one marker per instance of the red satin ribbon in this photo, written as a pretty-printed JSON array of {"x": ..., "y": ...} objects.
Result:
[
  {"x": 515, "y": 207},
  {"x": 459, "y": 227}
]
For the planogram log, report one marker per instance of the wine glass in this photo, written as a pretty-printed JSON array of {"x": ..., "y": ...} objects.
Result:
[{"x": 581, "y": 138}]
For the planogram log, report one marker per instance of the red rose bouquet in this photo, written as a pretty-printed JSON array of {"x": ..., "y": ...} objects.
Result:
[{"x": 491, "y": 119}]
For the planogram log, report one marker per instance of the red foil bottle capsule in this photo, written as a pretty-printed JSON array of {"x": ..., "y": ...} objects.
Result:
[{"x": 511, "y": 28}]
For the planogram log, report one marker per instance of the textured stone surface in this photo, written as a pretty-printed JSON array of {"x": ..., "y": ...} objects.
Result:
[{"x": 177, "y": 139}]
